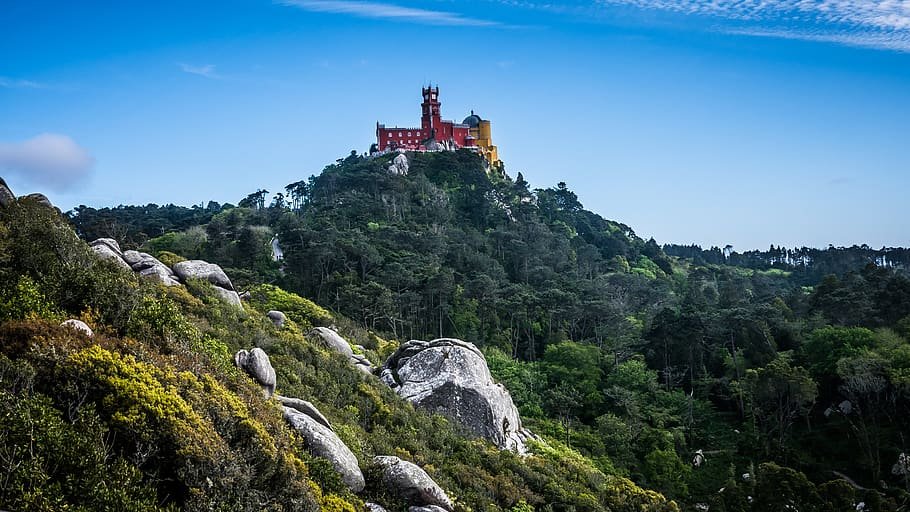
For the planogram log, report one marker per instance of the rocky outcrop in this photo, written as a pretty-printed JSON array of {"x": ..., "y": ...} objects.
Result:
[
  {"x": 306, "y": 408},
  {"x": 6, "y": 195},
  {"x": 333, "y": 341},
  {"x": 451, "y": 377},
  {"x": 277, "y": 317},
  {"x": 150, "y": 267},
  {"x": 412, "y": 483},
  {"x": 106, "y": 252},
  {"x": 257, "y": 365},
  {"x": 198, "y": 269},
  {"x": 399, "y": 165},
  {"x": 39, "y": 198},
  {"x": 322, "y": 442},
  {"x": 80, "y": 326},
  {"x": 110, "y": 243}
]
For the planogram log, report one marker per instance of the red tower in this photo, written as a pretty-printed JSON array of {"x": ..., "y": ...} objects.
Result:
[{"x": 431, "y": 120}]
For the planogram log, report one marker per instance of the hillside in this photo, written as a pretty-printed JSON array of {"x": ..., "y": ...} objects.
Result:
[{"x": 715, "y": 382}]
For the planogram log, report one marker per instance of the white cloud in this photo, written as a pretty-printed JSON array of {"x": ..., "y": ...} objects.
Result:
[
  {"x": 880, "y": 24},
  {"x": 207, "y": 70},
  {"x": 49, "y": 159},
  {"x": 14, "y": 83},
  {"x": 388, "y": 12}
]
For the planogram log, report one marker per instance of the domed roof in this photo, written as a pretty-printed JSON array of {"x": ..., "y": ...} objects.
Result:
[{"x": 472, "y": 120}]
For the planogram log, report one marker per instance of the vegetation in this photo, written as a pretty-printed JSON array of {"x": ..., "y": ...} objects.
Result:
[
  {"x": 749, "y": 382},
  {"x": 149, "y": 413}
]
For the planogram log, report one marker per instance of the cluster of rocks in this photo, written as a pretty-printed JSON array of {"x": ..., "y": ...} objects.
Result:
[
  {"x": 150, "y": 267},
  {"x": 402, "y": 478},
  {"x": 334, "y": 342},
  {"x": 451, "y": 377}
]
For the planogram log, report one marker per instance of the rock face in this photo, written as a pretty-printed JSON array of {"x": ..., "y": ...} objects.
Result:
[
  {"x": 6, "y": 195},
  {"x": 322, "y": 442},
  {"x": 407, "y": 480},
  {"x": 451, "y": 377},
  {"x": 79, "y": 325},
  {"x": 198, "y": 269},
  {"x": 306, "y": 408},
  {"x": 256, "y": 364},
  {"x": 277, "y": 317},
  {"x": 399, "y": 165}
]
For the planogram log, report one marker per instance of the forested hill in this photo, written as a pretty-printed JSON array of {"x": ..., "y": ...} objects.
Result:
[
  {"x": 445, "y": 250},
  {"x": 732, "y": 386}
]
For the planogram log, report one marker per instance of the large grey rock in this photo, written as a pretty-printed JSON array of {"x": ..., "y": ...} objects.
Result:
[
  {"x": 39, "y": 198},
  {"x": 198, "y": 269},
  {"x": 399, "y": 165},
  {"x": 257, "y": 365},
  {"x": 277, "y": 317},
  {"x": 132, "y": 257},
  {"x": 451, "y": 377},
  {"x": 372, "y": 507},
  {"x": 362, "y": 363},
  {"x": 110, "y": 242},
  {"x": 306, "y": 408},
  {"x": 79, "y": 325},
  {"x": 6, "y": 195},
  {"x": 412, "y": 483},
  {"x": 148, "y": 266},
  {"x": 161, "y": 274},
  {"x": 332, "y": 340},
  {"x": 229, "y": 296},
  {"x": 103, "y": 251},
  {"x": 322, "y": 442}
]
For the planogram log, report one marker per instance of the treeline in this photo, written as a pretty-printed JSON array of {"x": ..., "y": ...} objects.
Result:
[{"x": 807, "y": 263}]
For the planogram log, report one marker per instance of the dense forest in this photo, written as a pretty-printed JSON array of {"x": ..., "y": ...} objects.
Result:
[{"x": 768, "y": 380}]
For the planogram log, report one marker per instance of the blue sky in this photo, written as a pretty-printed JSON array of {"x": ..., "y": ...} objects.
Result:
[{"x": 747, "y": 122}]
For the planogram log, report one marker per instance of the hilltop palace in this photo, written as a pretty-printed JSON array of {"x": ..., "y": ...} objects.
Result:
[{"x": 436, "y": 134}]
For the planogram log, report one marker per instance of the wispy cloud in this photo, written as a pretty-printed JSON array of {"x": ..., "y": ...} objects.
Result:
[
  {"x": 880, "y": 24},
  {"x": 207, "y": 70},
  {"x": 15, "y": 83},
  {"x": 49, "y": 159},
  {"x": 388, "y": 12}
]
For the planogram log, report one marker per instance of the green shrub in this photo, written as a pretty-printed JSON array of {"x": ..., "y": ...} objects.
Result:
[{"x": 303, "y": 312}]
